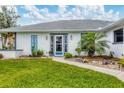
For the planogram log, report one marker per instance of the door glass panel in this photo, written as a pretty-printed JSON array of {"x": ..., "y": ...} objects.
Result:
[
  {"x": 34, "y": 42},
  {"x": 58, "y": 40},
  {"x": 58, "y": 43},
  {"x": 58, "y": 48}
]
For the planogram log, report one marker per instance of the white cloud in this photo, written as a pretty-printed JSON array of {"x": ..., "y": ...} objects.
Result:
[
  {"x": 28, "y": 15},
  {"x": 95, "y": 12},
  {"x": 31, "y": 8},
  {"x": 32, "y": 12},
  {"x": 62, "y": 9},
  {"x": 77, "y": 12},
  {"x": 44, "y": 10}
]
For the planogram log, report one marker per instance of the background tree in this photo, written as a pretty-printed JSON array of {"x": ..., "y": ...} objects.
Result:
[
  {"x": 92, "y": 42},
  {"x": 8, "y": 18}
]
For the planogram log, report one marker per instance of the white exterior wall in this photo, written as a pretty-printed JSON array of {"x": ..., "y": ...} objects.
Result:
[
  {"x": 23, "y": 41},
  {"x": 117, "y": 48},
  {"x": 44, "y": 42},
  {"x": 73, "y": 43},
  {"x": 10, "y": 53}
]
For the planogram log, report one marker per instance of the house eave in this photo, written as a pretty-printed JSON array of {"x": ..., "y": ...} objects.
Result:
[
  {"x": 116, "y": 24},
  {"x": 51, "y": 30}
]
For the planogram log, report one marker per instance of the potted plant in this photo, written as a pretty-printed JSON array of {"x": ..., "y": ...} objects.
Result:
[
  {"x": 51, "y": 53},
  {"x": 78, "y": 50}
]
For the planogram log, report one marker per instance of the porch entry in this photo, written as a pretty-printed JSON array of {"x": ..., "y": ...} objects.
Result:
[{"x": 58, "y": 44}]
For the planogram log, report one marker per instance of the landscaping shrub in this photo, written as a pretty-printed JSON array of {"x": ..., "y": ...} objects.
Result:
[
  {"x": 50, "y": 52},
  {"x": 76, "y": 56},
  {"x": 68, "y": 55},
  {"x": 78, "y": 50},
  {"x": 121, "y": 61},
  {"x": 40, "y": 53},
  {"x": 34, "y": 53},
  {"x": 1, "y": 56},
  {"x": 111, "y": 54}
]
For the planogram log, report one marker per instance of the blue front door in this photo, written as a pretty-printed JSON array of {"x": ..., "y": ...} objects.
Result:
[
  {"x": 34, "y": 43},
  {"x": 58, "y": 45}
]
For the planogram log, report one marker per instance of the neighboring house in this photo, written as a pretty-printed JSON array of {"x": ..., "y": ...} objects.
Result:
[{"x": 62, "y": 36}]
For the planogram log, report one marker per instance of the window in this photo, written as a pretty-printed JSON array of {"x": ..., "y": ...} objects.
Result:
[{"x": 118, "y": 36}]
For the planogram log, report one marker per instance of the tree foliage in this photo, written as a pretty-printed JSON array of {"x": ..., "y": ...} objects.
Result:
[
  {"x": 8, "y": 18},
  {"x": 92, "y": 42}
]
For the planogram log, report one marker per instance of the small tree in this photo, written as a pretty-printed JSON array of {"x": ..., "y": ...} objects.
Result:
[
  {"x": 78, "y": 50},
  {"x": 92, "y": 42}
]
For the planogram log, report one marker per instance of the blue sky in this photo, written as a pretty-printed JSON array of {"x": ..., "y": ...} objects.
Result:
[{"x": 44, "y": 13}]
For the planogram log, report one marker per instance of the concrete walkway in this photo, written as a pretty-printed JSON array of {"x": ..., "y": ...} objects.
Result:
[{"x": 116, "y": 73}]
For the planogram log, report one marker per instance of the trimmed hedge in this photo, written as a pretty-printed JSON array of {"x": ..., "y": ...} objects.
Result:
[
  {"x": 38, "y": 53},
  {"x": 68, "y": 55}
]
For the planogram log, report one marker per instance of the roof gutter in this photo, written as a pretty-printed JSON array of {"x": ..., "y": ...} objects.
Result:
[{"x": 51, "y": 30}]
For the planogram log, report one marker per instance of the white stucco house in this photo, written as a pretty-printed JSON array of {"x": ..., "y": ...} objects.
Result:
[{"x": 62, "y": 36}]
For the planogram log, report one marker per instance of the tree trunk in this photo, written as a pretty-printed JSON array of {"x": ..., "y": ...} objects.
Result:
[{"x": 91, "y": 53}]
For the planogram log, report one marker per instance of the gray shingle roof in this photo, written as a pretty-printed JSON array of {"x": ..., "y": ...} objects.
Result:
[{"x": 62, "y": 24}]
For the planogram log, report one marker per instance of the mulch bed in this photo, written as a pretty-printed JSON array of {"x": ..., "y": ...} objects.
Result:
[{"x": 98, "y": 61}]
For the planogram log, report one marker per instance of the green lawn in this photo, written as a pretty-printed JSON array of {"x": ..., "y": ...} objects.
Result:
[{"x": 47, "y": 73}]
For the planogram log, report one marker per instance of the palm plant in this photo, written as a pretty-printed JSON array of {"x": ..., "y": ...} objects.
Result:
[{"x": 92, "y": 42}]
